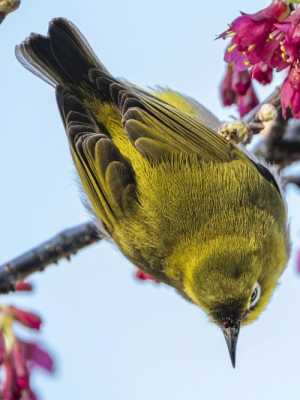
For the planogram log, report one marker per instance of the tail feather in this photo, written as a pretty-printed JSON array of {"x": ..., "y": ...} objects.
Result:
[
  {"x": 35, "y": 55},
  {"x": 62, "y": 57}
]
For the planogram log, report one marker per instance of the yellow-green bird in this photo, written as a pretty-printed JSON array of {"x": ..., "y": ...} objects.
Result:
[{"x": 181, "y": 202}]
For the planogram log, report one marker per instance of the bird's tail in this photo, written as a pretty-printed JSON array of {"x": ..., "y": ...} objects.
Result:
[{"x": 63, "y": 57}]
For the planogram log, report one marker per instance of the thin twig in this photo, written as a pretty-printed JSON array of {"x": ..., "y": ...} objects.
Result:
[
  {"x": 63, "y": 245},
  {"x": 280, "y": 142},
  {"x": 292, "y": 180}
]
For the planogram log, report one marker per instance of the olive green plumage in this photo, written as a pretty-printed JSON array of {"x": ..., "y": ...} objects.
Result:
[{"x": 181, "y": 202}]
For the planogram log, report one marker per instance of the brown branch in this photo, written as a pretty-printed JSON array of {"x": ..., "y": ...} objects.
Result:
[
  {"x": 292, "y": 180},
  {"x": 63, "y": 245},
  {"x": 274, "y": 148},
  {"x": 280, "y": 140}
]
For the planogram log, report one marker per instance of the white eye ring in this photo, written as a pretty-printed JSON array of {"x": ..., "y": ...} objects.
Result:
[{"x": 255, "y": 296}]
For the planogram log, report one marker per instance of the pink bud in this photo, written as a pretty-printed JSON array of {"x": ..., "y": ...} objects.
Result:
[
  {"x": 21, "y": 370},
  {"x": 262, "y": 73},
  {"x": 290, "y": 93},
  {"x": 9, "y": 385},
  {"x": 23, "y": 286},
  {"x": 228, "y": 95},
  {"x": 38, "y": 356},
  {"x": 26, "y": 318},
  {"x": 241, "y": 81},
  {"x": 247, "y": 102},
  {"x": 142, "y": 276}
]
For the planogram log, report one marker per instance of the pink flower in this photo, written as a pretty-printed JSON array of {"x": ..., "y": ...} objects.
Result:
[
  {"x": 36, "y": 356},
  {"x": 18, "y": 358},
  {"x": 261, "y": 43},
  {"x": 290, "y": 92},
  {"x": 262, "y": 73},
  {"x": 253, "y": 29},
  {"x": 228, "y": 95},
  {"x": 256, "y": 38},
  {"x": 236, "y": 58},
  {"x": 247, "y": 102},
  {"x": 236, "y": 88},
  {"x": 241, "y": 82},
  {"x": 289, "y": 31},
  {"x": 26, "y": 318},
  {"x": 9, "y": 388},
  {"x": 20, "y": 366},
  {"x": 270, "y": 54}
]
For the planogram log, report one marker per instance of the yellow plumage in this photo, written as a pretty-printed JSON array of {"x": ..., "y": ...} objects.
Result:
[{"x": 182, "y": 203}]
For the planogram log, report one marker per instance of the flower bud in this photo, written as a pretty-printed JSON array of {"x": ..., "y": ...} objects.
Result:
[
  {"x": 228, "y": 95},
  {"x": 142, "y": 276},
  {"x": 267, "y": 113},
  {"x": 37, "y": 356},
  {"x": 26, "y": 318},
  {"x": 241, "y": 82},
  {"x": 23, "y": 286},
  {"x": 235, "y": 131},
  {"x": 262, "y": 73},
  {"x": 247, "y": 102},
  {"x": 22, "y": 375}
]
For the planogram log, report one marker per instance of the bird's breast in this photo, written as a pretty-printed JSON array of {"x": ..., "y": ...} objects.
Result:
[{"x": 185, "y": 198}]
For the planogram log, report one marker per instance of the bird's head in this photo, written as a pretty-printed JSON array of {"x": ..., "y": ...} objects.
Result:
[{"x": 233, "y": 282}]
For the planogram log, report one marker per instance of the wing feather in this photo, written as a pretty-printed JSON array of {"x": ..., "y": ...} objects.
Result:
[
  {"x": 104, "y": 173},
  {"x": 144, "y": 115}
]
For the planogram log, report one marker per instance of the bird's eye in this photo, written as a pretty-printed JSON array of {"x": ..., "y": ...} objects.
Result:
[{"x": 255, "y": 295}]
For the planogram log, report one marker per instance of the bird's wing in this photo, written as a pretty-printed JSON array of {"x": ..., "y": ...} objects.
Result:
[
  {"x": 157, "y": 129},
  {"x": 189, "y": 106},
  {"x": 106, "y": 176}
]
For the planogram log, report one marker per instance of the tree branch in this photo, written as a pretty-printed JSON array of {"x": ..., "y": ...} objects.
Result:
[
  {"x": 292, "y": 180},
  {"x": 63, "y": 245},
  {"x": 280, "y": 143}
]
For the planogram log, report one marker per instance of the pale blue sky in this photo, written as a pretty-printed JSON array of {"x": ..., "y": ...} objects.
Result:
[{"x": 116, "y": 339}]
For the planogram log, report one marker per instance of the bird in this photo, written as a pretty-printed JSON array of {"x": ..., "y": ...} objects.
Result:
[{"x": 182, "y": 203}]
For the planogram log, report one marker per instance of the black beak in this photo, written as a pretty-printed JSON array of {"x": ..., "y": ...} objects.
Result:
[{"x": 231, "y": 335}]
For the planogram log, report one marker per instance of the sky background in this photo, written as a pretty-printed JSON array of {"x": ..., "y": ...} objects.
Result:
[{"x": 114, "y": 338}]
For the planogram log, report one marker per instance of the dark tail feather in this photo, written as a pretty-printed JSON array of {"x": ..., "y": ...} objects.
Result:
[{"x": 63, "y": 57}]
